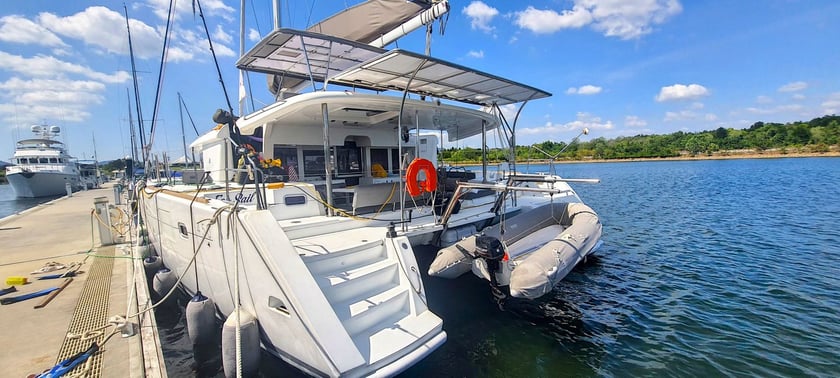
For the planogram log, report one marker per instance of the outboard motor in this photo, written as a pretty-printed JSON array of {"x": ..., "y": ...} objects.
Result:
[{"x": 491, "y": 250}]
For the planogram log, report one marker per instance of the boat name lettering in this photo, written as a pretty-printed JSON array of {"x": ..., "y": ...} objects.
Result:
[{"x": 241, "y": 197}]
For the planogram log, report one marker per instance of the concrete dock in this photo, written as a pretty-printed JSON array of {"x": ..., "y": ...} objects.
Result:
[{"x": 110, "y": 282}]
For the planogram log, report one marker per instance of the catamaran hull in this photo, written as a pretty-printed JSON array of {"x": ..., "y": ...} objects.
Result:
[
  {"x": 302, "y": 310},
  {"x": 543, "y": 245},
  {"x": 42, "y": 184}
]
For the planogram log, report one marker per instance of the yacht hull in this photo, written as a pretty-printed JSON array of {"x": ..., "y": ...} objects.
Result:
[{"x": 42, "y": 184}]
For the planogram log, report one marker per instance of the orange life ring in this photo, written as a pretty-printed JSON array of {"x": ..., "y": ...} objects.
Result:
[{"x": 429, "y": 185}]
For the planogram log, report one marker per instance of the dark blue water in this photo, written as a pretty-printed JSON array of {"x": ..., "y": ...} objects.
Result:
[
  {"x": 709, "y": 268},
  {"x": 10, "y": 205}
]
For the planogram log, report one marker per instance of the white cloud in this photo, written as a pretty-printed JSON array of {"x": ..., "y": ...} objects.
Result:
[
  {"x": 634, "y": 121},
  {"x": 33, "y": 100},
  {"x": 584, "y": 90},
  {"x": 831, "y": 105},
  {"x": 17, "y": 85},
  {"x": 23, "y": 114},
  {"x": 549, "y": 21},
  {"x": 104, "y": 28},
  {"x": 584, "y": 120},
  {"x": 689, "y": 115},
  {"x": 628, "y": 19},
  {"x": 776, "y": 109},
  {"x": 476, "y": 54},
  {"x": 798, "y": 96},
  {"x": 190, "y": 44},
  {"x": 221, "y": 35},
  {"x": 682, "y": 115},
  {"x": 795, "y": 86},
  {"x": 508, "y": 111},
  {"x": 763, "y": 100},
  {"x": 16, "y": 29},
  {"x": 253, "y": 35},
  {"x": 48, "y": 66},
  {"x": 625, "y": 19},
  {"x": 480, "y": 15},
  {"x": 209, "y": 7},
  {"x": 682, "y": 92}
]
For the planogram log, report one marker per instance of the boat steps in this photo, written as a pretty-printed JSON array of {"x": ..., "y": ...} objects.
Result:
[
  {"x": 359, "y": 283},
  {"x": 367, "y": 289},
  {"x": 361, "y": 315},
  {"x": 337, "y": 243},
  {"x": 356, "y": 256},
  {"x": 377, "y": 344},
  {"x": 300, "y": 228}
]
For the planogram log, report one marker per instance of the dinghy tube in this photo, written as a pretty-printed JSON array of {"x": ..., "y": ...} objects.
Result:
[{"x": 542, "y": 246}]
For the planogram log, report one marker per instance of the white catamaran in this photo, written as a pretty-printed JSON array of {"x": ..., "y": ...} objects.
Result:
[{"x": 305, "y": 213}]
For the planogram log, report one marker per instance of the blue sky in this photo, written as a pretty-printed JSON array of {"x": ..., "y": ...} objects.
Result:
[{"x": 618, "y": 67}]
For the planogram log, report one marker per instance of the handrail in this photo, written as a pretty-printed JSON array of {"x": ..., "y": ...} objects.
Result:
[
  {"x": 526, "y": 177},
  {"x": 463, "y": 187}
]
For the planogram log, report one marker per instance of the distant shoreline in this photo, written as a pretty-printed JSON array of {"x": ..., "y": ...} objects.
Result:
[
  {"x": 769, "y": 154},
  {"x": 749, "y": 155}
]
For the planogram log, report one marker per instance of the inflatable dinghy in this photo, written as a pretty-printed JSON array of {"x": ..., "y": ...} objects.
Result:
[{"x": 530, "y": 252}]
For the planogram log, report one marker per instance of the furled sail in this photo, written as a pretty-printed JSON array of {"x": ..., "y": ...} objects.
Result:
[{"x": 362, "y": 23}]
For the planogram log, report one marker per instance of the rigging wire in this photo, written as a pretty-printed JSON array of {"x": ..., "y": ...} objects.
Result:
[
  {"x": 213, "y": 52},
  {"x": 186, "y": 109},
  {"x": 256, "y": 20},
  {"x": 167, "y": 33},
  {"x": 136, "y": 88}
]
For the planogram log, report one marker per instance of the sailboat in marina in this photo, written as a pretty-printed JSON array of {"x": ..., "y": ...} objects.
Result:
[{"x": 305, "y": 213}]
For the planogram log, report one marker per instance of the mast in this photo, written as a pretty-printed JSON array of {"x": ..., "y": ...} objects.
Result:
[
  {"x": 276, "y": 4},
  {"x": 95, "y": 159},
  {"x": 183, "y": 135},
  {"x": 131, "y": 128},
  {"x": 136, "y": 89},
  {"x": 241, "y": 53}
]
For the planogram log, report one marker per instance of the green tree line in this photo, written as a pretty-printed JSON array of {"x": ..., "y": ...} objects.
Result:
[{"x": 816, "y": 135}]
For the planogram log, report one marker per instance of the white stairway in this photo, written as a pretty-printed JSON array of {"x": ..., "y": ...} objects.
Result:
[{"x": 361, "y": 275}]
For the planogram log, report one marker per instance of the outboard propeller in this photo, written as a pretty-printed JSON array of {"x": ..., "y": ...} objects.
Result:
[{"x": 490, "y": 249}]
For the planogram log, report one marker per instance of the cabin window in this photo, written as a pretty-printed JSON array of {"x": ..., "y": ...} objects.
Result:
[
  {"x": 43, "y": 160},
  {"x": 395, "y": 160},
  {"x": 288, "y": 158},
  {"x": 53, "y": 160},
  {"x": 379, "y": 156},
  {"x": 294, "y": 200},
  {"x": 348, "y": 159},
  {"x": 314, "y": 163}
]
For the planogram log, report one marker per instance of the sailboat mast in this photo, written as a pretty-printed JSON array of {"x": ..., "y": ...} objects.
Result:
[
  {"x": 131, "y": 128},
  {"x": 96, "y": 161},
  {"x": 241, "y": 53},
  {"x": 276, "y": 14},
  {"x": 183, "y": 135},
  {"x": 136, "y": 88}
]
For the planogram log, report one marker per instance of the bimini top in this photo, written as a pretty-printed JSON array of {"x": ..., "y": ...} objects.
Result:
[{"x": 300, "y": 54}]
